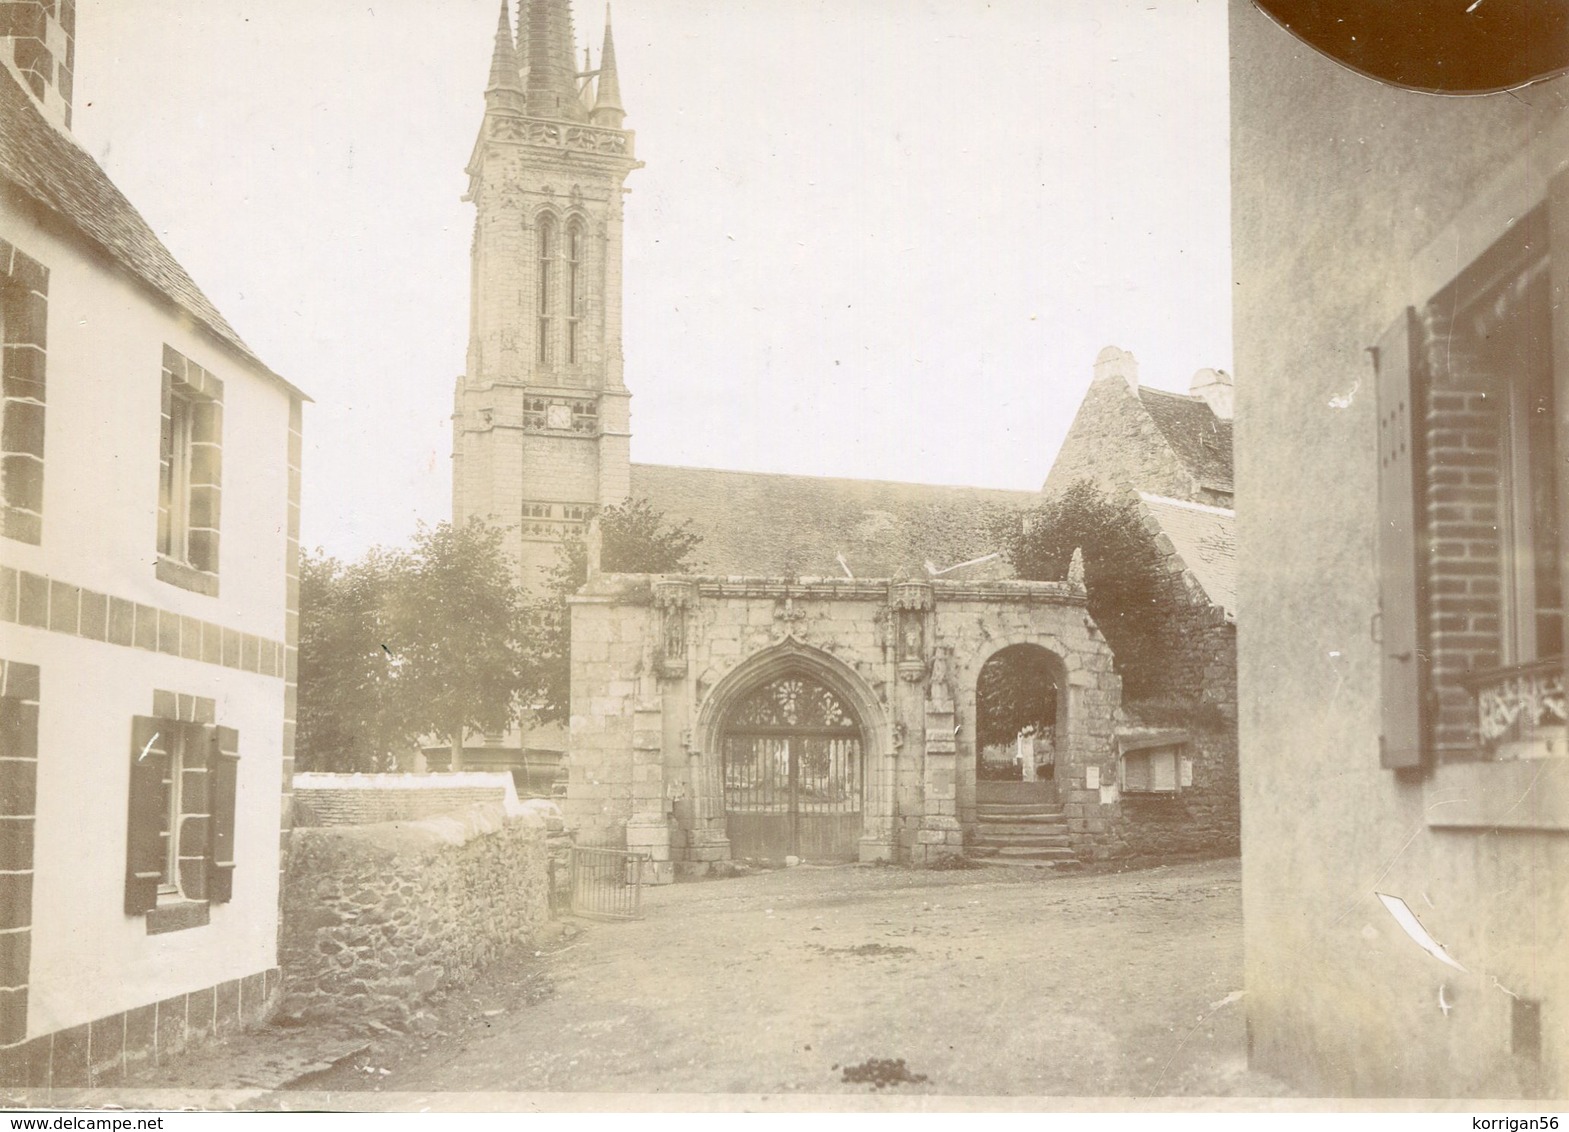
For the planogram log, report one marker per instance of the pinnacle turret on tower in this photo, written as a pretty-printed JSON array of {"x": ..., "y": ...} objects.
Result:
[
  {"x": 506, "y": 85},
  {"x": 608, "y": 110}
]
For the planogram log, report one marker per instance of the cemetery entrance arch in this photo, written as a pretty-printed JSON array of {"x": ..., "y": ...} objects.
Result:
[{"x": 794, "y": 771}]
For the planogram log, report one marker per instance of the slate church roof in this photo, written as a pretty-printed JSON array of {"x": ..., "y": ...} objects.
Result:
[
  {"x": 53, "y": 171},
  {"x": 770, "y": 525}
]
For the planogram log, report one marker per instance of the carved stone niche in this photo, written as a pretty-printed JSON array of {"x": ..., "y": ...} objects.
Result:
[
  {"x": 910, "y": 602},
  {"x": 673, "y": 599}
]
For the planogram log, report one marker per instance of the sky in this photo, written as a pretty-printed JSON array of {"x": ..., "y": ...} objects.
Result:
[{"x": 872, "y": 238}]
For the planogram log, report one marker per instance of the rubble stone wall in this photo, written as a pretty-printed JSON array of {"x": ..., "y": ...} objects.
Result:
[
  {"x": 376, "y": 917},
  {"x": 1201, "y": 820}
]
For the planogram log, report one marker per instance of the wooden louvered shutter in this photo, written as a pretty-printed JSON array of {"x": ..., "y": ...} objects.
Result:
[
  {"x": 144, "y": 854},
  {"x": 222, "y": 778},
  {"x": 1403, "y": 659}
]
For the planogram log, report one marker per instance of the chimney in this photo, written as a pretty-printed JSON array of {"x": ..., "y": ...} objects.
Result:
[
  {"x": 38, "y": 44},
  {"x": 1214, "y": 385},
  {"x": 1113, "y": 362}
]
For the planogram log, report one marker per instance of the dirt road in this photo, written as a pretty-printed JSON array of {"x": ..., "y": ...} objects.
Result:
[{"x": 985, "y": 982}]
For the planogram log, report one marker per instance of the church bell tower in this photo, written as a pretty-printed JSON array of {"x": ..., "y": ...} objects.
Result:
[{"x": 541, "y": 423}]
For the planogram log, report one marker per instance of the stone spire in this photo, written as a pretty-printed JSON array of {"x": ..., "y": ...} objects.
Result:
[
  {"x": 608, "y": 110},
  {"x": 585, "y": 92},
  {"x": 552, "y": 71},
  {"x": 522, "y": 51},
  {"x": 504, "y": 84}
]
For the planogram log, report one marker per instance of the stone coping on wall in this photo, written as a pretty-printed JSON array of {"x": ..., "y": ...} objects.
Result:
[
  {"x": 638, "y": 589},
  {"x": 502, "y": 781},
  {"x": 456, "y": 828}
]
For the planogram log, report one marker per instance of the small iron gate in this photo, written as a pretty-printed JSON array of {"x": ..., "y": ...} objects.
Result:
[{"x": 607, "y": 883}]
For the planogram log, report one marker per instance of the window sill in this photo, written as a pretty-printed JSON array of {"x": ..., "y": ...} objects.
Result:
[
  {"x": 186, "y": 577},
  {"x": 177, "y": 916},
  {"x": 1522, "y": 794}
]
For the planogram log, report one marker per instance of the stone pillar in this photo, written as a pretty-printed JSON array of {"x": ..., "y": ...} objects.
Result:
[
  {"x": 940, "y": 834},
  {"x": 878, "y": 838},
  {"x": 706, "y": 840},
  {"x": 648, "y": 829},
  {"x": 928, "y": 703}
]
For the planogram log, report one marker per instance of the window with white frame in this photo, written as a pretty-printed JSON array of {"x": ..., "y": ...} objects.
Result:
[{"x": 190, "y": 474}]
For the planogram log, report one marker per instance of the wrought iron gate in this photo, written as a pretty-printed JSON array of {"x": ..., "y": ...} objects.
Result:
[
  {"x": 607, "y": 883},
  {"x": 793, "y": 773}
]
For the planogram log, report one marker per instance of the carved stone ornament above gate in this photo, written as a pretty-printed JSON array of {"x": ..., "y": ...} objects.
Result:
[
  {"x": 911, "y": 595},
  {"x": 675, "y": 594},
  {"x": 791, "y": 617}
]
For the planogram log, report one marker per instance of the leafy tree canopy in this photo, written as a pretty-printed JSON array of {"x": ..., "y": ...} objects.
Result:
[
  {"x": 346, "y": 716},
  {"x": 1129, "y": 590},
  {"x": 635, "y": 539},
  {"x": 1016, "y": 692},
  {"x": 405, "y": 644}
]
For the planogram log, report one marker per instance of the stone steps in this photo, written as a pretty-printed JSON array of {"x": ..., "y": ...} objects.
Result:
[
  {"x": 1020, "y": 831},
  {"x": 1036, "y": 853},
  {"x": 985, "y": 810},
  {"x": 1022, "y": 834}
]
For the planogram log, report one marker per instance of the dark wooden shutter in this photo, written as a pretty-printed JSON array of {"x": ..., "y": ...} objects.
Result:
[
  {"x": 1403, "y": 660},
  {"x": 144, "y": 849},
  {"x": 222, "y": 777}
]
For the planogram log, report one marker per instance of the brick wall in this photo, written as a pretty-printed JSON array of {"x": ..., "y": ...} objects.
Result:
[
  {"x": 1460, "y": 428},
  {"x": 377, "y": 917}
]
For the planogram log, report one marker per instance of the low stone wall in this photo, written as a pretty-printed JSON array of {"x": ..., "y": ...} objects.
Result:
[
  {"x": 376, "y": 917},
  {"x": 364, "y": 799}
]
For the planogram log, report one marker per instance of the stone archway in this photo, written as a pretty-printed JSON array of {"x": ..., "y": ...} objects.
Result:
[
  {"x": 792, "y": 745},
  {"x": 1072, "y": 745},
  {"x": 1017, "y": 694}
]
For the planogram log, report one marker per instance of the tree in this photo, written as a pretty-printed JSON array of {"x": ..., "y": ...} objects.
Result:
[
  {"x": 406, "y": 644},
  {"x": 635, "y": 539},
  {"x": 1016, "y": 692},
  {"x": 1130, "y": 592},
  {"x": 345, "y": 711},
  {"x": 455, "y": 615}
]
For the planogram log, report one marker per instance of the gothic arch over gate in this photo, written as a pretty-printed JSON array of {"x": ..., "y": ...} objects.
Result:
[{"x": 842, "y": 752}]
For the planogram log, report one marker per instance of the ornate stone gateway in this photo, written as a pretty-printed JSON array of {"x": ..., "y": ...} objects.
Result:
[
  {"x": 793, "y": 778},
  {"x": 825, "y": 718}
]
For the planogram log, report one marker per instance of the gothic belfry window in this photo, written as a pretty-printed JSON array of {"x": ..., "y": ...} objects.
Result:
[
  {"x": 574, "y": 289},
  {"x": 547, "y": 252}
]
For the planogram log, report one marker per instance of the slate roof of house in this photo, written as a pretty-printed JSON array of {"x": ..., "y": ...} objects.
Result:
[
  {"x": 1201, "y": 440},
  {"x": 55, "y": 172},
  {"x": 770, "y": 525},
  {"x": 1205, "y": 539}
]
